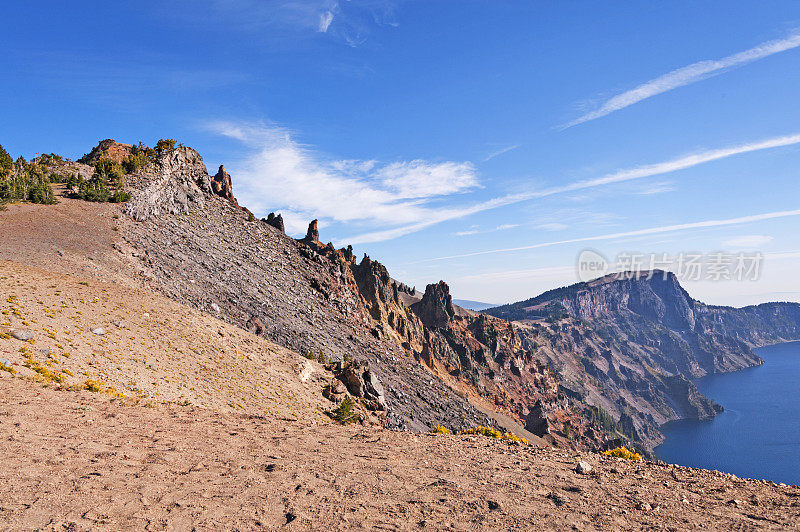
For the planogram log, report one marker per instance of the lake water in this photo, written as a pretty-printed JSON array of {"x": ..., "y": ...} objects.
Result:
[{"x": 758, "y": 434}]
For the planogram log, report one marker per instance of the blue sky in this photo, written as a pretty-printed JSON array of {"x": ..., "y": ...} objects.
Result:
[{"x": 433, "y": 134}]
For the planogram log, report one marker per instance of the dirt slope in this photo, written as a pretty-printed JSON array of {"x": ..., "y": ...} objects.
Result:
[
  {"x": 74, "y": 237},
  {"x": 80, "y": 461},
  {"x": 152, "y": 349}
]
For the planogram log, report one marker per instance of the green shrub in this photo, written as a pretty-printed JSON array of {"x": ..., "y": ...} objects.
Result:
[
  {"x": 345, "y": 413},
  {"x": 93, "y": 190},
  {"x": 6, "y": 162},
  {"x": 119, "y": 197},
  {"x": 109, "y": 172},
  {"x": 139, "y": 157},
  {"x": 165, "y": 145},
  {"x": 105, "y": 184},
  {"x": 23, "y": 181}
]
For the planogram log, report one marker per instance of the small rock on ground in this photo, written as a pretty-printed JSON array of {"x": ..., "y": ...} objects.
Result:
[{"x": 22, "y": 334}]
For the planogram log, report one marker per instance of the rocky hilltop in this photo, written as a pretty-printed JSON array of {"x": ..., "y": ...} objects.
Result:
[{"x": 628, "y": 344}]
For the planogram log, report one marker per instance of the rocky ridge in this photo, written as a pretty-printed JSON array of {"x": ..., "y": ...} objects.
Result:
[
  {"x": 198, "y": 247},
  {"x": 628, "y": 345}
]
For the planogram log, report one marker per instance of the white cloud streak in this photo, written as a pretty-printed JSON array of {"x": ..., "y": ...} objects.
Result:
[
  {"x": 640, "y": 232},
  {"x": 281, "y": 174},
  {"x": 420, "y": 179},
  {"x": 638, "y": 172},
  {"x": 475, "y": 231},
  {"x": 500, "y": 152},
  {"x": 747, "y": 241},
  {"x": 325, "y": 20},
  {"x": 656, "y": 188},
  {"x": 688, "y": 75}
]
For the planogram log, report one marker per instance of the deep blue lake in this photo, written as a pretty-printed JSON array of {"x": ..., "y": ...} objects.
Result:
[{"x": 758, "y": 435}]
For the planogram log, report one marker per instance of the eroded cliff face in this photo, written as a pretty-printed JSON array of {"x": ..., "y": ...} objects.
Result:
[
  {"x": 484, "y": 357},
  {"x": 629, "y": 345},
  {"x": 755, "y": 325},
  {"x": 188, "y": 238}
]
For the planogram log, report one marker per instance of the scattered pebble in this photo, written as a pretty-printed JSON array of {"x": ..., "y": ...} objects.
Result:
[
  {"x": 583, "y": 468},
  {"x": 99, "y": 331},
  {"x": 22, "y": 334}
]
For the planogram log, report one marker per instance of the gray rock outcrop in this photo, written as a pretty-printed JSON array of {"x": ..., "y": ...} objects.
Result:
[
  {"x": 177, "y": 182},
  {"x": 276, "y": 221}
]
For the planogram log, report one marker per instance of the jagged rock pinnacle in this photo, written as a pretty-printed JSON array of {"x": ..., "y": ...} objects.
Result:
[
  {"x": 276, "y": 221},
  {"x": 221, "y": 184},
  {"x": 436, "y": 307},
  {"x": 312, "y": 235}
]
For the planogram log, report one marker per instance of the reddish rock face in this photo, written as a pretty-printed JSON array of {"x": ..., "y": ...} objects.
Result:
[
  {"x": 221, "y": 184},
  {"x": 108, "y": 149}
]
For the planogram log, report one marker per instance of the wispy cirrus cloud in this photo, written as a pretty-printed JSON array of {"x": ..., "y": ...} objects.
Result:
[
  {"x": 656, "y": 188},
  {"x": 687, "y": 75},
  {"x": 500, "y": 152},
  {"x": 552, "y": 226},
  {"x": 747, "y": 241},
  {"x": 325, "y": 20},
  {"x": 474, "y": 230},
  {"x": 640, "y": 232},
  {"x": 282, "y": 174},
  {"x": 629, "y": 174},
  {"x": 351, "y": 22}
]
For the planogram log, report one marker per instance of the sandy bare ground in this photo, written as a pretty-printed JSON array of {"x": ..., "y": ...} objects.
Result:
[
  {"x": 79, "y": 461},
  {"x": 152, "y": 349},
  {"x": 74, "y": 237}
]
